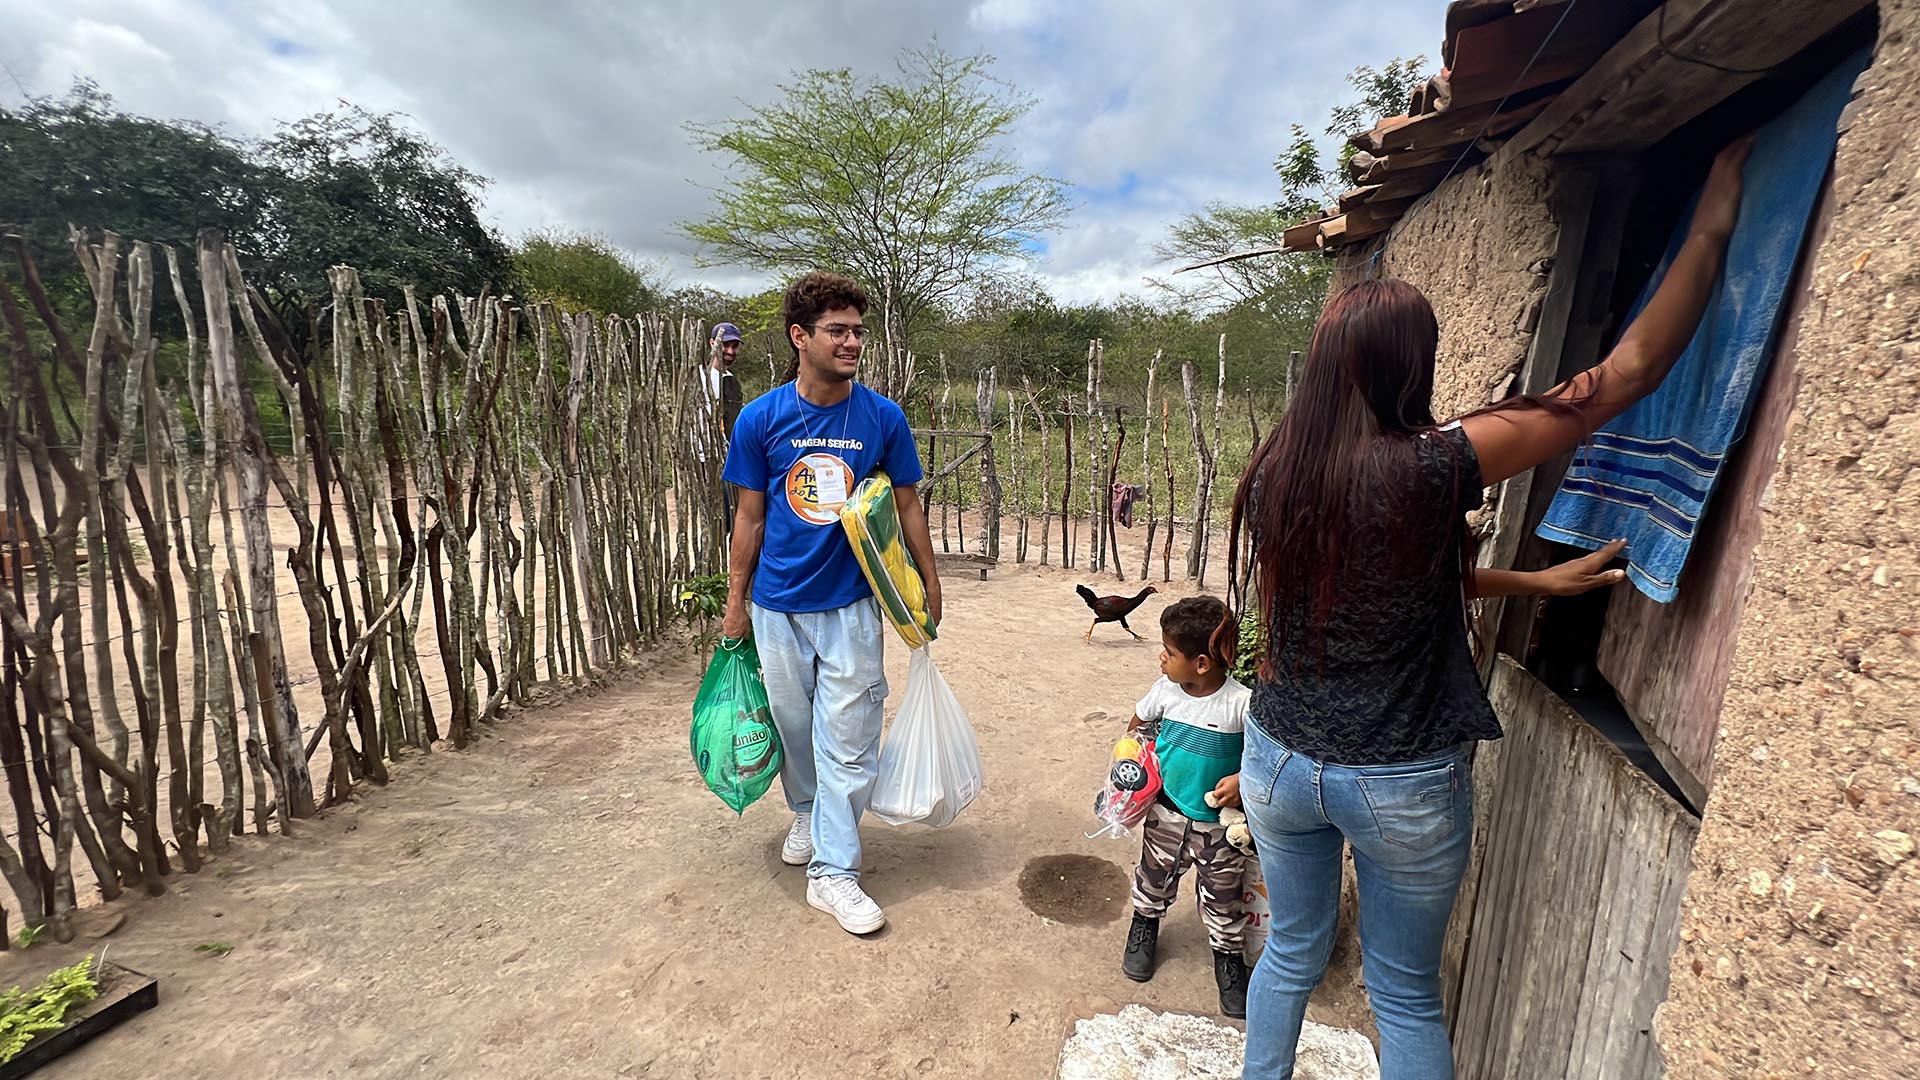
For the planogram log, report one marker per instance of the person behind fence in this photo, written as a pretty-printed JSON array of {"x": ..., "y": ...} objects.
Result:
[
  {"x": 795, "y": 586},
  {"x": 1196, "y": 712},
  {"x": 723, "y": 393},
  {"x": 723, "y": 386},
  {"x": 1368, "y": 699}
]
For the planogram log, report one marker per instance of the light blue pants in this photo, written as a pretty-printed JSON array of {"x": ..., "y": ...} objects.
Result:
[
  {"x": 827, "y": 684},
  {"x": 1411, "y": 827}
]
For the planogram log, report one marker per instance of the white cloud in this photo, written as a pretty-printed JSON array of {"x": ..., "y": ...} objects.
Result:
[
  {"x": 578, "y": 113},
  {"x": 1003, "y": 14}
]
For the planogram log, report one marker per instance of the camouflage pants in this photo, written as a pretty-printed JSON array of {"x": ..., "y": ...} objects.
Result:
[{"x": 1172, "y": 843}]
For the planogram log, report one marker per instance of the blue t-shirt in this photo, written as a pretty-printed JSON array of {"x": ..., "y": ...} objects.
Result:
[{"x": 807, "y": 459}]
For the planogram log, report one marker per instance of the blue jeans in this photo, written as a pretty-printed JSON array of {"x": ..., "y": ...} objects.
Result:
[
  {"x": 827, "y": 685},
  {"x": 1411, "y": 827}
]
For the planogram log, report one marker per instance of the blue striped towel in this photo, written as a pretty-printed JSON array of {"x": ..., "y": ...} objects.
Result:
[{"x": 1648, "y": 474}]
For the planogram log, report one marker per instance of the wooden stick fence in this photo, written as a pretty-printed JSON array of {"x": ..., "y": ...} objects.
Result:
[
  {"x": 541, "y": 482},
  {"x": 1049, "y": 437}
]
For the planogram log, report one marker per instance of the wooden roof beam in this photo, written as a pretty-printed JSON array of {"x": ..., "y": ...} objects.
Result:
[
  {"x": 1364, "y": 221},
  {"x": 1638, "y": 93}
]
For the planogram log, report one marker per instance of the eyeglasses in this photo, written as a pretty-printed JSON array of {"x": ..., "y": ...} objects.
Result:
[{"x": 838, "y": 332}]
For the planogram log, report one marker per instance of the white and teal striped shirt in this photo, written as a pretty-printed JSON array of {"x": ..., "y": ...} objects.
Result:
[{"x": 1199, "y": 741}]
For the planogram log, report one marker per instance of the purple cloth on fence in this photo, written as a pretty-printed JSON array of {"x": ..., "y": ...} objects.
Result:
[{"x": 1124, "y": 496}]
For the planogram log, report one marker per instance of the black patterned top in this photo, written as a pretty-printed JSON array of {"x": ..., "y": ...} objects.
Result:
[{"x": 1392, "y": 679}]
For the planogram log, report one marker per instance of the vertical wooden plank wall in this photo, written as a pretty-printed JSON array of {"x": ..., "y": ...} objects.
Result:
[{"x": 1565, "y": 951}]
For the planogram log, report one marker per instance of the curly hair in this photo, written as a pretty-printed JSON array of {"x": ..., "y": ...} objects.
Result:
[
  {"x": 1190, "y": 625},
  {"x": 812, "y": 295}
]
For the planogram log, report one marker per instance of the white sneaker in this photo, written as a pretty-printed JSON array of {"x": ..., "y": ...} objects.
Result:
[
  {"x": 798, "y": 849},
  {"x": 842, "y": 898}
]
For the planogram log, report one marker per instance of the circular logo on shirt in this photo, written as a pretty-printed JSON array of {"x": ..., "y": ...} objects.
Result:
[{"x": 817, "y": 487}]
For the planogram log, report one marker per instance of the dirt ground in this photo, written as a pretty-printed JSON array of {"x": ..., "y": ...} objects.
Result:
[{"x": 567, "y": 900}]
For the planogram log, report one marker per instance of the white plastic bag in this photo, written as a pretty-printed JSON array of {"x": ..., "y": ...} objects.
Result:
[{"x": 930, "y": 766}]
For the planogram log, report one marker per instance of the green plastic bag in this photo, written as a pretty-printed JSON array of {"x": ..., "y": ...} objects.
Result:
[{"x": 735, "y": 745}]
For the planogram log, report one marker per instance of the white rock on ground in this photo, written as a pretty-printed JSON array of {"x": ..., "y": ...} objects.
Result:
[{"x": 1139, "y": 1044}]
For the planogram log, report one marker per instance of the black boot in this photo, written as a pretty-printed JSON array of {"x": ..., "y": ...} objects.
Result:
[
  {"x": 1143, "y": 938},
  {"x": 1230, "y": 974}
]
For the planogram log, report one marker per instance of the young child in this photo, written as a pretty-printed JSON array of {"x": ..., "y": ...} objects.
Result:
[{"x": 1200, "y": 712}]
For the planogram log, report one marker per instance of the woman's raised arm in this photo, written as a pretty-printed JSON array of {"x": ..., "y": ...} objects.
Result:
[{"x": 1511, "y": 441}]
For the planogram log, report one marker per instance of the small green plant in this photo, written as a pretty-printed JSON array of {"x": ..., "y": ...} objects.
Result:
[
  {"x": 1253, "y": 645},
  {"x": 29, "y": 934},
  {"x": 702, "y": 601},
  {"x": 27, "y": 1014},
  {"x": 215, "y": 948}
]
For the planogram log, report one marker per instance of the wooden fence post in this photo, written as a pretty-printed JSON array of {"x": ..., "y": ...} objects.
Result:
[
  {"x": 583, "y": 556},
  {"x": 1166, "y": 462},
  {"x": 1015, "y": 433},
  {"x": 1069, "y": 529},
  {"x": 1203, "y": 469},
  {"x": 248, "y": 446},
  {"x": 1045, "y": 423},
  {"x": 1113, "y": 473},
  {"x": 990, "y": 492},
  {"x": 1213, "y": 462},
  {"x": 1146, "y": 467}
]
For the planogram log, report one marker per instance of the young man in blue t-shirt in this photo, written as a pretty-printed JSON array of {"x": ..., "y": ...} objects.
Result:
[{"x": 796, "y": 587}]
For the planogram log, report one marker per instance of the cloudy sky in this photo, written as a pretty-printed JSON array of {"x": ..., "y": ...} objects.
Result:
[{"x": 575, "y": 108}]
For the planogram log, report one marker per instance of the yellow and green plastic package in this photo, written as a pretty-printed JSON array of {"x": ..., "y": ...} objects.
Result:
[{"x": 872, "y": 522}]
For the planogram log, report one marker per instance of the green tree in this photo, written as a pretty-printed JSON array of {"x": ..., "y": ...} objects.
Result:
[
  {"x": 903, "y": 183},
  {"x": 78, "y": 161},
  {"x": 363, "y": 189},
  {"x": 706, "y": 303},
  {"x": 1380, "y": 92},
  {"x": 581, "y": 271},
  {"x": 760, "y": 312},
  {"x": 1308, "y": 179},
  {"x": 1287, "y": 288},
  {"x": 347, "y": 187},
  {"x": 1018, "y": 328}
]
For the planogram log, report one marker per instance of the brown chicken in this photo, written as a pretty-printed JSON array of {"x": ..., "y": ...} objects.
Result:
[{"x": 1113, "y": 608}]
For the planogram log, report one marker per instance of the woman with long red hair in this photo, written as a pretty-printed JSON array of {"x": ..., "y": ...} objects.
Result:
[{"x": 1368, "y": 698}]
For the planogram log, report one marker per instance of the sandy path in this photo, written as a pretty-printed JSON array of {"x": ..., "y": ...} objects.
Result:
[{"x": 567, "y": 899}]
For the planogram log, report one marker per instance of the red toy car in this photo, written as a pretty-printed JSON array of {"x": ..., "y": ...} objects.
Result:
[{"x": 1133, "y": 783}]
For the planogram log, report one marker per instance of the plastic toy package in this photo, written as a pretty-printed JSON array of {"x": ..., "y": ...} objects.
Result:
[{"x": 1133, "y": 783}]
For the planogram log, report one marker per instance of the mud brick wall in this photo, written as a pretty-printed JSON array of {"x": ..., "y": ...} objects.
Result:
[
  {"x": 1479, "y": 248},
  {"x": 1800, "y": 935}
]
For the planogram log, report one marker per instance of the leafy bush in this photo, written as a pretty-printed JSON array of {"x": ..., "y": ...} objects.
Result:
[
  {"x": 1253, "y": 645},
  {"x": 702, "y": 602}
]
